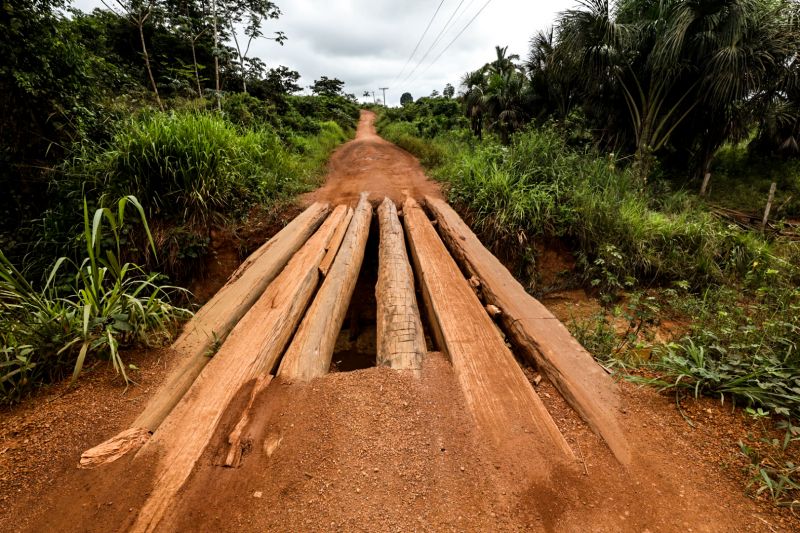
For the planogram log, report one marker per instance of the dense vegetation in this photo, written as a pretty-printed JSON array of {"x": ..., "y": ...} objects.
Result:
[
  {"x": 601, "y": 140},
  {"x": 148, "y": 108}
]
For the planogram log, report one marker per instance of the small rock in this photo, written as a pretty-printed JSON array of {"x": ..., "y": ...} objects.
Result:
[{"x": 258, "y": 494}]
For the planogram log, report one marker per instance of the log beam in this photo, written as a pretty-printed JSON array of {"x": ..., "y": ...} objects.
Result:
[
  {"x": 335, "y": 244},
  {"x": 204, "y": 333},
  {"x": 536, "y": 333},
  {"x": 401, "y": 339},
  {"x": 251, "y": 350},
  {"x": 309, "y": 355},
  {"x": 503, "y": 402}
]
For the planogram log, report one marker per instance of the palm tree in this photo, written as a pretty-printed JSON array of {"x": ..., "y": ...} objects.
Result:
[
  {"x": 503, "y": 101},
  {"x": 474, "y": 84},
  {"x": 496, "y": 93},
  {"x": 553, "y": 79},
  {"x": 693, "y": 66}
]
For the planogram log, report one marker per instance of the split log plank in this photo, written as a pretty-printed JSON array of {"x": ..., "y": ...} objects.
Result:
[
  {"x": 309, "y": 355},
  {"x": 211, "y": 324},
  {"x": 251, "y": 350},
  {"x": 401, "y": 339},
  {"x": 503, "y": 402},
  {"x": 336, "y": 242},
  {"x": 539, "y": 335}
]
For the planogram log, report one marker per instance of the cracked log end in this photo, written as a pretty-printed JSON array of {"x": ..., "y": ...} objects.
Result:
[{"x": 109, "y": 451}]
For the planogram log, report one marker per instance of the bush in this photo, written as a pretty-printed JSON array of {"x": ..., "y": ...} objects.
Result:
[
  {"x": 247, "y": 111},
  {"x": 404, "y": 135},
  {"x": 187, "y": 166},
  {"x": 540, "y": 187},
  {"x": 100, "y": 305}
]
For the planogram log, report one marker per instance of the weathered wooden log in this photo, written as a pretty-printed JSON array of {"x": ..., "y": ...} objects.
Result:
[
  {"x": 503, "y": 402},
  {"x": 336, "y": 242},
  {"x": 401, "y": 339},
  {"x": 309, "y": 355},
  {"x": 204, "y": 333},
  {"x": 537, "y": 334},
  {"x": 251, "y": 350}
]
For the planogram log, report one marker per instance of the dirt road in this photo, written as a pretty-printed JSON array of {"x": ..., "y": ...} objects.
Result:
[
  {"x": 370, "y": 163},
  {"x": 372, "y": 449}
]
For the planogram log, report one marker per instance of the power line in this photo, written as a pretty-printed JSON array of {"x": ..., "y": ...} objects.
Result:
[
  {"x": 456, "y": 37},
  {"x": 436, "y": 41},
  {"x": 419, "y": 42}
]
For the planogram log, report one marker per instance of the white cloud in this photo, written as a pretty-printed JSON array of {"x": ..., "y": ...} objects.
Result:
[{"x": 366, "y": 43}]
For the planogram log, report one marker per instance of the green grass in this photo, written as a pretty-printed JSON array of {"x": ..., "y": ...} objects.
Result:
[
  {"x": 83, "y": 310},
  {"x": 539, "y": 187},
  {"x": 405, "y": 135},
  {"x": 189, "y": 166}
]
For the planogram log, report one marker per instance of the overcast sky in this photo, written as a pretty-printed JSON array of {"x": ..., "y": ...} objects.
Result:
[{"x": 367, "y": 43}]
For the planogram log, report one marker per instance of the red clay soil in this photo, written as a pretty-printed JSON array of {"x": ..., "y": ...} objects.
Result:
[
  {"x": 379, "y": 450},
  {"x": 370, "y": 163}
]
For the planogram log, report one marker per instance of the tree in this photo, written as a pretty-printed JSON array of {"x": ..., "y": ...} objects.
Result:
[
  {"x": 138, "y": 12},
  {"x": 449, "y": 91},
  {"x": 406, "y": 99},
  {"x": 327, "y": 87},
  {"x": 283, "y": 80},
  {"x": 190, "y": 19},
  {"x": 696, "y": 67},
  {"x": 553, "y": 81},
  {"x": 251, "y": 13},
  {"x": 475, "y": 85},
  {"x": 497, "y": 93}
]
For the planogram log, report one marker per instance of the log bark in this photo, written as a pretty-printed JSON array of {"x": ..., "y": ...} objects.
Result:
[
  {"x": 203, "y": 334},
  {"x": 251, "y": 350},
  {"x": 503, "y": 402},
  {"x": 336, "y": 242},
  {"x": 309, "y": 355},
  {"x": 537, "y": 334},
  {"x": 401, "y": 339}
]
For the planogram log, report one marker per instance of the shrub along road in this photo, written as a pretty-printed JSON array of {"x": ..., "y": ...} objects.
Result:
[{"x": 376, "y": 449}]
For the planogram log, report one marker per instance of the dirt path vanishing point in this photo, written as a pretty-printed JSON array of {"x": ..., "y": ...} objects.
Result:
[
  {"x": 370, "y": 163},
  {"x": 367, "y": 448}
]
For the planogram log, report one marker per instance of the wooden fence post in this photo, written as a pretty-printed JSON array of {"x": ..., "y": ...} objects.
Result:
[{"x": 769, "y": 205}]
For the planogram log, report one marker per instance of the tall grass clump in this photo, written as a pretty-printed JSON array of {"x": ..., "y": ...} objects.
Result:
[
  {"x": 538, "y": 186},
  {"x": 188, "y": 166},
  {"x": 315, "y": 149},
  {"x": 82, "y": 310},
  {"x": 405, "y": 135}
]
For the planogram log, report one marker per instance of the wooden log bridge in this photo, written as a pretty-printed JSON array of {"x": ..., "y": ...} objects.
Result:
[{"x": 282, "y": 312}]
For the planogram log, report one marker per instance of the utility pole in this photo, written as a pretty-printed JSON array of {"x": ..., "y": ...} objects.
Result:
[
  {"x": 384, "y": 89},
  {"x": 373, "y": 98}
]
